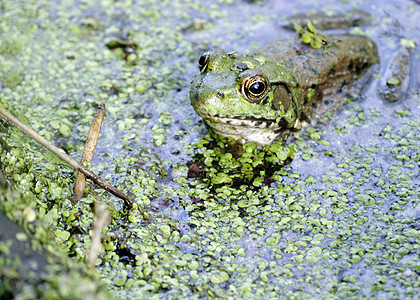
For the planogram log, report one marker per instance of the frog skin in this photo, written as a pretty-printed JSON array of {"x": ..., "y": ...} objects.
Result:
[{"x": 261, "y": 97}]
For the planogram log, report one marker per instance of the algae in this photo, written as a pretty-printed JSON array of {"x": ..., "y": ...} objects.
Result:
[{"x": 338, "y": 220}]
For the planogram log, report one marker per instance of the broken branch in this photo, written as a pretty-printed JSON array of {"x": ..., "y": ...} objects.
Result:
[
  {"x": 101, "y": 219},
  {"x": 64, "y": 156},
  {"x": 88, "y": 152}
]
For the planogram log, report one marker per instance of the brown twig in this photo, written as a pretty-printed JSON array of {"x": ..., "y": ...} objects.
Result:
[
  {"x": 3, "y": 181},
  {"x": 88, "y": 152},
  {"x": 64, "y": 156},
  {"x": 101, "y": 219},
  {"x": 3, "y": 144}
]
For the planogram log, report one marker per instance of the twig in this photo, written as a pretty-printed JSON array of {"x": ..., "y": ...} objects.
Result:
[
  {"x": 3, "y": 144},
  {"x": 64, "y": 156},
  {"x": 3, "y": 181},
  {"x": 88, "y": 152},
  {"x": 101, "y": 219}
]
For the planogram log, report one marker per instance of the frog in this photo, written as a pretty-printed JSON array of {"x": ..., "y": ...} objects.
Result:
[{"x": 280, "y": 88}]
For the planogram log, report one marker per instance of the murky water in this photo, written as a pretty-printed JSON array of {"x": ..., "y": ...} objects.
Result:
[{"x": 342, "y": 221}]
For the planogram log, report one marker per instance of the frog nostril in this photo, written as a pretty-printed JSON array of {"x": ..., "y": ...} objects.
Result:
[{"x": 219, "y": 94}]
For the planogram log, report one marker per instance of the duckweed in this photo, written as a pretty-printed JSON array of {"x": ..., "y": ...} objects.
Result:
[{"x": 329, "y": 212}]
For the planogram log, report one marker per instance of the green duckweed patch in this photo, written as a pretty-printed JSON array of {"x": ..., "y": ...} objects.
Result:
[
  {"x": 220, "y": 163},
  {"x": 339, "y": 220},
  {"x": 309, "y": 35},
  {"x": 32, "y": 263}
]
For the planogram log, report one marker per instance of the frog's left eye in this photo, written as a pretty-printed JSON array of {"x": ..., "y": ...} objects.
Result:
[
  {"x": 254, "y": 88},
  {"x": 203, "y": 61}
]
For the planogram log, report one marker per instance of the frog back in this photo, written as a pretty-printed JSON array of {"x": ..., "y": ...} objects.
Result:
[
  {"x": 325, "y": 74},
  {"x": 345, "y": 56}
]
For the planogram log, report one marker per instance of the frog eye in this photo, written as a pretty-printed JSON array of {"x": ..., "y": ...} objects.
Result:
[
  {"x": 203, "y": 61},
  {"x": 254, "y": 88}
]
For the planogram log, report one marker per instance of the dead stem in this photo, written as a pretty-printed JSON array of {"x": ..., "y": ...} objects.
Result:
[
  {"x": 3, "y": 181},
  {"x": 88, "y": 152},
  {"x": 101, "y": 219},
  {"x": 65, "y": 157}
]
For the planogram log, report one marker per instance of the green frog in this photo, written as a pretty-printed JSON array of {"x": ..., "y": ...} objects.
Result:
[{"x": 281, "y": 87}]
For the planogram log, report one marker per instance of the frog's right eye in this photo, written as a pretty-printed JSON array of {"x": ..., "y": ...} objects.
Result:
[
  {"x": 254, "y": 88},
  {"x": 203, "y": 61}
]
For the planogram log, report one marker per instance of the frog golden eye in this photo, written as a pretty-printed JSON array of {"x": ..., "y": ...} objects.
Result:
[
  {"x": 203, "y": 61},
  {"x": 254, "y": 88}
]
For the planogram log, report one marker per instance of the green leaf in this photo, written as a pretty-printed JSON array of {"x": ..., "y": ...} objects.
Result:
[
  {"x": 311, "y": 27},
  {"x": 219, "y": 277},
  {"x": 65, "y": 130},
  {"x": 406, "y": 43},
  {"x": 221, "y": 178},
  {"x": 393, "y": 81},
  {"x": 298, "y": 28},
  {"x": 316, "y": 42},
  {"x": 307, "y": 37},
  {"x": 261, "y": 59}
]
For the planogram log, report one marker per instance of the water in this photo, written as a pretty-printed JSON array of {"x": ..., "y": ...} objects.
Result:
[{"x": 344, "y": 219}]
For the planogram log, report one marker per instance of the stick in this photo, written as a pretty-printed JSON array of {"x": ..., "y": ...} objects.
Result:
[
  {"x": 3, "y": 144},
  {"x": 64, "y": 156},
  {"x": 3, "y": 181},
  {"x": 88, "y": 152},
  {"x": 101, "y": 219}
]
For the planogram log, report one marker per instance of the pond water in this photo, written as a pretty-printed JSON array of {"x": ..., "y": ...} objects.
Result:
[{"x": 341, "y": 220}]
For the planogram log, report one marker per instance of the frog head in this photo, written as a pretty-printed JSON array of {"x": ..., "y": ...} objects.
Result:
[{"x": 244, "y": 97}]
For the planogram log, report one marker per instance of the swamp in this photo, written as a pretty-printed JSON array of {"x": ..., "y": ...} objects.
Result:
[{"x": 333, "y": 211}]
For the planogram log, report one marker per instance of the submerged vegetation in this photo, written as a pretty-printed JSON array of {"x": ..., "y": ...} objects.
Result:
[
  {"x": 222, "y": 162},
  {"x": 334, "y": 213}
]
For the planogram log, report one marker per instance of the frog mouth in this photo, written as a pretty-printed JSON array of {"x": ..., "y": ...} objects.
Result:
[
  {"x": 257, "y": 130},
  {"x": 247, "y": 122}
]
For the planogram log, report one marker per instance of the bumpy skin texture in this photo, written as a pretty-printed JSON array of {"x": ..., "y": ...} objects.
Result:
[{"x": 296, "y": 78}]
